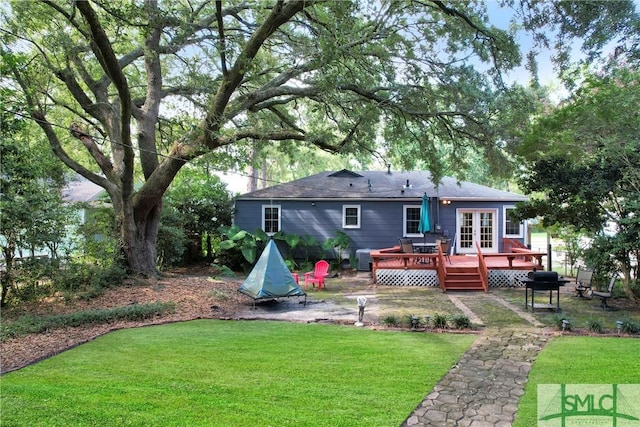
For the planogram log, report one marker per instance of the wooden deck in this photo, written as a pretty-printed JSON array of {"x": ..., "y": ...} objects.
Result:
[
  {"x": 429, "y": 262},
  {"x": 457, "y": 272}
]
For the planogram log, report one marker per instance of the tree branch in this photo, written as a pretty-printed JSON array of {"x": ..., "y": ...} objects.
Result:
[
  {"x": 101, "y": 47},
  {"x": 281, "y": 13},
  {"x": 223, "y": 45}
]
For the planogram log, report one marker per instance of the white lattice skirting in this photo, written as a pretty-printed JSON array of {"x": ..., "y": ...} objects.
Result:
[
  {"x": 407, "y": 278},
  {"x": 497, "y": 278},
  {"x": 506, "y": 278}
]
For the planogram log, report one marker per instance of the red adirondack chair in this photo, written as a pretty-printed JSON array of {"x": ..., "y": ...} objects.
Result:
[{"x": 318, "y": 274}]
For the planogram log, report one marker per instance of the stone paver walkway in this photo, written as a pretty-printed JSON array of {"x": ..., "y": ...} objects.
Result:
[{"x": 484, "y": 387}]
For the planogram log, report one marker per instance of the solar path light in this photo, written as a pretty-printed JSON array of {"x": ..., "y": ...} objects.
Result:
[
  {"x": 415, "y": 321},
  {"x": 619, "y": 326}
]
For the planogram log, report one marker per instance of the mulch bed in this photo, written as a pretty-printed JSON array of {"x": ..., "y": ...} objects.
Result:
[{"x": 195, "y": 295}]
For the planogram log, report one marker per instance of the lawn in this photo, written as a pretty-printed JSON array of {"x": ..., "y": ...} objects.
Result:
[
  {"x": 580, "y": 360},
  {"x": 224, "y": 373}
]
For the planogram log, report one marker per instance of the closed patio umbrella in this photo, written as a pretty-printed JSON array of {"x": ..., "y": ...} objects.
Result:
[{"x": 424, "y": 226}]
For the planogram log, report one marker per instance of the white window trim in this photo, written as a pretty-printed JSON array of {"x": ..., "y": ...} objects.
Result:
[
  {"x": 264, "y": 207},
  {"x": 344, "y": 216},
  {"x": 404, "y": 220},
  {"x": 504, "y": 224}
]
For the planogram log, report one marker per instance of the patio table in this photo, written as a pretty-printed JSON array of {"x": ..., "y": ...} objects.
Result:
[{"x": 424, "y": 248}]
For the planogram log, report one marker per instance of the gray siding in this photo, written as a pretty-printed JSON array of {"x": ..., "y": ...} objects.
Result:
[{"x": 381, "y": 221}]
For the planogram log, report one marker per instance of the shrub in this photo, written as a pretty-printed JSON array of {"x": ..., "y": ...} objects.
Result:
[
  {"x": 630, "y": 326},
  {"x": 33, "y": 324},
  {"x": 87, "y": 281},
  {"x": 405, "y": 321},
  {"x": 558, "y": 319},
  {"x": 390, "y": 320},
  {"x": 439, "y": 320},
  {"x": 594, "y": 325},
  {"x": 460, "y": 321}
]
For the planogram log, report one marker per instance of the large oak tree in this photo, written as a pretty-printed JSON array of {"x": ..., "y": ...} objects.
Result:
[{"x": 128, "y": 90}]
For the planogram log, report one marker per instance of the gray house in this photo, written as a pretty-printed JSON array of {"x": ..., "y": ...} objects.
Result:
[{"x": 376, "y": 208}]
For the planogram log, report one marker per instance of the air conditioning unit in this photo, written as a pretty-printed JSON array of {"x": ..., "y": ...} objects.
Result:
[{"x": 364, "y": 259}]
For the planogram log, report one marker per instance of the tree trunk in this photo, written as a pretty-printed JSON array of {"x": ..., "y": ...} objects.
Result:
[
  {"x": 138, "y": 240},
  {"x": 6, "y": 277}
]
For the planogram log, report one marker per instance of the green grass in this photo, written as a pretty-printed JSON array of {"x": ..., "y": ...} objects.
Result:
[
  {"x": 492, "y": 312},
  {"x": 226, "y": 373},
  {"x": 579, "y": 360},
  {"x": 579, "y": 311}
]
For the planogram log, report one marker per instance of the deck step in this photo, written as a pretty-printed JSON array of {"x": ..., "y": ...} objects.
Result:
[{"x": 463, "y": 279}]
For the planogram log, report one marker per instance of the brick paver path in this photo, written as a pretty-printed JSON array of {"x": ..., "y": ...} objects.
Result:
[{"x": 484, "y": 387}]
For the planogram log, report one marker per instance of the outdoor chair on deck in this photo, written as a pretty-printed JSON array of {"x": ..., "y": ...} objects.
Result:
[
  {"x": 406, "y": 247},
  {"x": 605, "y": 295},
  {"x": 583, "y": 282},
  {"x": 318, "y": 274},
  {"x": 445, "y": 245}
]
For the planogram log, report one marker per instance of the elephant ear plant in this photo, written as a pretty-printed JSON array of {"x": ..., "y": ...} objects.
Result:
[
  {"x": 247, "y": 243},
  {"x": 338, "y": 245}
]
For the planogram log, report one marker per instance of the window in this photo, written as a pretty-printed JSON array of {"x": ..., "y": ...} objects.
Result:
[
  {"x": 351, "y": 216},
  {"x": 271, "y": 218},
  {"x": 512, "y": 228},
  {"x": 411, "y": 220}
]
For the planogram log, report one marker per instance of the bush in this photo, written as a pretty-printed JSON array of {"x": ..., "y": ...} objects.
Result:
[
  {"x": 460, "y": 321},
  {"x": 594, "y": 325},
  {"x": 405, "y": 321},
  {"x": 31, "y": 279},
  {"x": 31, "y": 324},
  {"x": 87, "y": 281},
  {"x": 439, "y": 320},
  {"x": 630, "y": 326},
  {"x": 558, "y": 320},
  {"x": 390, "y": 320}
]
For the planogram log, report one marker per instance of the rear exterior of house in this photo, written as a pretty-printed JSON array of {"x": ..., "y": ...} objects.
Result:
[{"x": 376, "y": 208}]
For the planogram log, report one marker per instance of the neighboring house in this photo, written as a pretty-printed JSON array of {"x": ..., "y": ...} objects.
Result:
[
  {"x": 81, "y": 190},
  {"x": 78, "y": 190},
  {"x": 376, "y": 208}
]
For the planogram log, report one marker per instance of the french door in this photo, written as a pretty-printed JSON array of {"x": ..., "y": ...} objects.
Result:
[{"x": 477, "y": 226}]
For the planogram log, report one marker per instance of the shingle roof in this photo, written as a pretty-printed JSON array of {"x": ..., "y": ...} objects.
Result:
[
  {"x": 81, "y": 190},
  {"x": 379, "y": 185}
]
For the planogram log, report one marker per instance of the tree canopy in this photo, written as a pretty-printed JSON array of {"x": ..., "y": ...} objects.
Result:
[
  {"x": 586, "y": 165},
  {"x": 136, "y": 89}
]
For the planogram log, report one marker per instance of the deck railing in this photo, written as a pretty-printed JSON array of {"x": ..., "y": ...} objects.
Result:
[
  {"x": 522, "y": 253},
  {"x": 442, "y": 269},
  {"x": 482, "y": 267},
  {"x": 394, "y": 258},
  {"x": 508, "y": 244}
]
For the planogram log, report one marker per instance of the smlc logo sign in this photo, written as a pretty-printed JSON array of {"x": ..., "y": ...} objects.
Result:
[{"x": 602, "y": 405}]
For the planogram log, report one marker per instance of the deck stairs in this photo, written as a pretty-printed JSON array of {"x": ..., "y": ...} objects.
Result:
[{"x": 463, "y": 279}]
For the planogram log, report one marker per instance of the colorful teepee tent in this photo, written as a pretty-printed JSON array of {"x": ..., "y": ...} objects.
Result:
[{"x": 270, "y": 277}]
